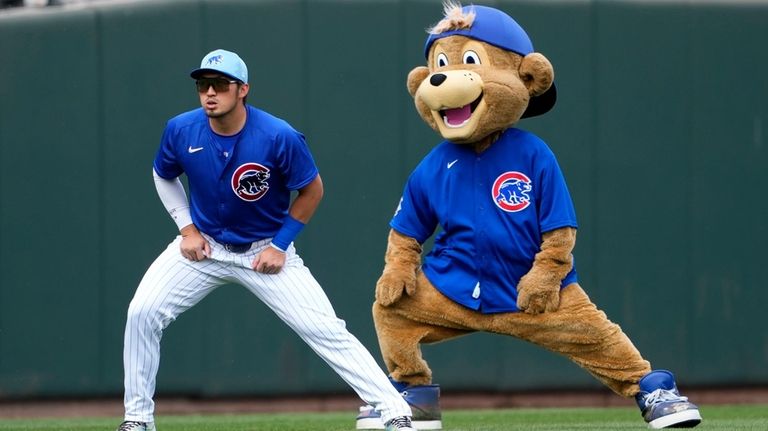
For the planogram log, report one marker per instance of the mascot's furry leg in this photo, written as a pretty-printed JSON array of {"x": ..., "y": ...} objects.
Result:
[
  {"x": 575, "y": 328},
  {"x": 402, "y": 350},
  {"x": 591, "y": 340},
  {"x": 581, "y": 332},
  {"x": 409, "y": 311}
]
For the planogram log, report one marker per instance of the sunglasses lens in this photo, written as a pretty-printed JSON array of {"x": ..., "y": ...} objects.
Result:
[{"x": 220, "y": 85}]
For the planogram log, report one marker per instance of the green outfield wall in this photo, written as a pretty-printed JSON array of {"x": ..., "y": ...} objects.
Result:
[{"x": 661, "y": 129}]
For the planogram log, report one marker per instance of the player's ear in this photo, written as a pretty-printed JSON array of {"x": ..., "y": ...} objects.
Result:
[{"x": 242, "y": 90}]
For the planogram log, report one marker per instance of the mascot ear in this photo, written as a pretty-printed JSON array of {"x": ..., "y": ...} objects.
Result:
[
  {"x": 415, "y": 79},
  {"x": 537, "y": 73}
]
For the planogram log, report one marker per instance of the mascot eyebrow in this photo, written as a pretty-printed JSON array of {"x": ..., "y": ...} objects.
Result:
[{"x": 455, "y": 19}]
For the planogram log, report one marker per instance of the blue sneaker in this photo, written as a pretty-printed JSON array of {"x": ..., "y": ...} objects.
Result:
[
  {"x": 661, "y": 403},
  {"x": 424, "y": 401}
]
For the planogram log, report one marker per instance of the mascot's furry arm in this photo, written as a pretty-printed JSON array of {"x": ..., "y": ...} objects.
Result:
[
  {"x": 401, "y": 264},
  {"x": 539, "y": 290}
]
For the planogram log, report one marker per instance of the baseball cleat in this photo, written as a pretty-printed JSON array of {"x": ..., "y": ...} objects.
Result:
[
  {"x": 136, "y": 426},
  {"x": 661, "y": 403}
]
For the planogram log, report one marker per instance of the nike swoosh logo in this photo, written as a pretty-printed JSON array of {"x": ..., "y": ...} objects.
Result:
[
  {"x": 194, "y": 150},
  {"x": 450, "y": 164}
]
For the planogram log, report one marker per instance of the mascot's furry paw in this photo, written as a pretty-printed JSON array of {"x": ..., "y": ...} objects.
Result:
[
  {"x": 539, "y": 290},
  {"x": 403, "y": 259},
  {"x": 392, "y": 283},
  {"x": 536, "y": 294}
]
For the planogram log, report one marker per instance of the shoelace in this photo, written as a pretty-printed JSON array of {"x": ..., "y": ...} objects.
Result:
[
  {"x": 129, "y": 425},
  {"x": 662, "y": 395},
  {"x": 401, "y": 422}
]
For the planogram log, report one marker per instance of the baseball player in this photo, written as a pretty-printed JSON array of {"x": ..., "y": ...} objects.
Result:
[{"x": 238, "y": 226}]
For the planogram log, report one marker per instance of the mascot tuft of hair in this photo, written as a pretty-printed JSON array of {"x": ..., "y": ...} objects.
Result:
[{"x": 502, "y": 261}]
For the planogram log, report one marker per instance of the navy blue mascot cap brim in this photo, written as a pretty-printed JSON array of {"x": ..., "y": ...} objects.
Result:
[{"x": 496, "y": 28}]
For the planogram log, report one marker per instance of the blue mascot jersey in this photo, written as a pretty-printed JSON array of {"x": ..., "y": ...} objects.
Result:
[
  {"x": 492, "y": 209},
  {"x": 239, "y": 187}
]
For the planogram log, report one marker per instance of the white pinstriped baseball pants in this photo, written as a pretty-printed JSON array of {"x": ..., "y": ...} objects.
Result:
[{"x": 173, "y": 284}]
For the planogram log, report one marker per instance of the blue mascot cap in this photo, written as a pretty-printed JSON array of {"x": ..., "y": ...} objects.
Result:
[
  {"x": 496, "y": 28},
  {"x": 490, "y": 26}
]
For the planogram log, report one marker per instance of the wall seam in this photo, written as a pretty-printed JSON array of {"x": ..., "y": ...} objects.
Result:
[{"x": 100, "y": 172}]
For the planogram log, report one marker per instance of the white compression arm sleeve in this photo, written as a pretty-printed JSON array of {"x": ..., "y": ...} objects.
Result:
[{"x": 174, "y": 199}]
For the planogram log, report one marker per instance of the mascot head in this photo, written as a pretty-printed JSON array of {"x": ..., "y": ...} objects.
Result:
[{"x": 482, "y": 76}]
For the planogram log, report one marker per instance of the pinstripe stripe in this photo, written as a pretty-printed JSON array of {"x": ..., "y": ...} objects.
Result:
[
  {"x": 297, "y": 299},
  {"x": 170, "y": 286},
  {"x": 173, "y": 284}
]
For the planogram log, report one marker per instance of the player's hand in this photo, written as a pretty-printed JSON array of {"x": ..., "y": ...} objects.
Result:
[
  {"x": 193, "y": 246},
  {"x": 538, "y": 293},
  {"x": 392, "y": 283},
  {"x": 269, "y": 261}
]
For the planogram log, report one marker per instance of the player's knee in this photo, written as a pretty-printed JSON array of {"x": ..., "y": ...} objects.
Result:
[
  {"x": 141, "y": 315},
  {"x": 135, "y": 316}
]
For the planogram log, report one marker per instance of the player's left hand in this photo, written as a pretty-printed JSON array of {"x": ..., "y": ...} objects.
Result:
[{"x": 269, "y": 261}]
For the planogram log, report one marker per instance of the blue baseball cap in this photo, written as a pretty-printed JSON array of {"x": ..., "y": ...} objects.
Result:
[
  {"x": 490, "y": 26},
  {"x": 224, "y": 62},
  {"x": 495, "y": 27}
]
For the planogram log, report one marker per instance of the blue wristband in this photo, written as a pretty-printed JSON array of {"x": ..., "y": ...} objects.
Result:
[{"x": 287, "y": 233}]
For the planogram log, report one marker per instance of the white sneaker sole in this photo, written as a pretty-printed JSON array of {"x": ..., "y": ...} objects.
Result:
[
  {"x": 377, "y": 424},
  {"x": 428, "y": 425},
  {"x": 692, "y": 416},
  {"x": 370, "y": 424}
]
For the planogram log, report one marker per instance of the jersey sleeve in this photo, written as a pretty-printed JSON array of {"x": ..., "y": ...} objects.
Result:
[
  {"x": 166, "y": 162},
  {"x": 296, "y": 160},
  {"x": 414, "y": 216},
  {"x": 555, "y": 205}
]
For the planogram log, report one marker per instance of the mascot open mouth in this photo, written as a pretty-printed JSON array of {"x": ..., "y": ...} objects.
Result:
[{"x": 457, "y": 117}]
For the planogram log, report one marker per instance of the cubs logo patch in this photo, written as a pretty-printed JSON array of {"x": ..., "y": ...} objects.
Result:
[
  {"x": 216, "y": 59},
  {"x": 249, "y": 182},
  {"x": 510, "y": 191}
]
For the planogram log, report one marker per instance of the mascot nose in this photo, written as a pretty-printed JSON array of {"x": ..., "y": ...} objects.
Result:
[{"x": 437, "y": 79}]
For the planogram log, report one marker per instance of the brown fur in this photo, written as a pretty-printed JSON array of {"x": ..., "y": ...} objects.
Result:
[
  {"x": 577, "y": 330},
  {"x": 409, "y": 311},
  {"x": 402, "y": 262},
  {"x": 539, "y": 290},
  {"x": 508, "y": 80}
]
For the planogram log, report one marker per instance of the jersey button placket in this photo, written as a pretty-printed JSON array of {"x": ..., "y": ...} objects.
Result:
[
  {"x": 224, "y": 188},
  {"x": 479, "y": 218}
]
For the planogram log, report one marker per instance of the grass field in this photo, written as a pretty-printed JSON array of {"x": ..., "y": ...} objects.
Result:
[{"x": 720, "y": 418}]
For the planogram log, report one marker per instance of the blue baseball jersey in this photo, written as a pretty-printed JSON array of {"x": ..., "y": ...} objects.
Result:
[
  {"x": 492, "y": 209},
  {"x": 239, "y": 186}
]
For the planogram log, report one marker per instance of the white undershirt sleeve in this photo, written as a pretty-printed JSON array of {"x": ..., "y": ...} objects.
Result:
[{"x": 174, "y": 199}]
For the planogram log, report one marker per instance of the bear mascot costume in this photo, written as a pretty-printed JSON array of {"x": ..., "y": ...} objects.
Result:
[{"x": 502, "y": 261}]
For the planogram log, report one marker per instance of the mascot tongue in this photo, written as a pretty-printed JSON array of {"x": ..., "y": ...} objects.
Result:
[{"x": 457, "y": 116}]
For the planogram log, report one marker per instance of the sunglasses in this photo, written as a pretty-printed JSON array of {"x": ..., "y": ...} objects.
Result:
[{"x": 220, "y": 85}]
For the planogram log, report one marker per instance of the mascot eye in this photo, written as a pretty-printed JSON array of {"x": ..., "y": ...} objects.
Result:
[
  {"x": 441, "y": 60},
  {"x": 471, "y": 57}
]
